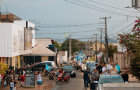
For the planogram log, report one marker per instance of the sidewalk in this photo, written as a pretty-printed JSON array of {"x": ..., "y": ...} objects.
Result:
[
  {"x": 47, "y": 85},
  {"x": 133, "y": 79}
]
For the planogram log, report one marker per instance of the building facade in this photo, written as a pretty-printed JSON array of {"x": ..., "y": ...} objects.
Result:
[{"x": 16, "y": 39}]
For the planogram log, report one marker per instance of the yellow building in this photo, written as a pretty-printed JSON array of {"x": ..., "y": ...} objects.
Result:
[{"x": 99, "y": 45}]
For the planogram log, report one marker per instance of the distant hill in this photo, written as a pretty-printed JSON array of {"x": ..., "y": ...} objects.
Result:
[{"x": 110, "y": 40}]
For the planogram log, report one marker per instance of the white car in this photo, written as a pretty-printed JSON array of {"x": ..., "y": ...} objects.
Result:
[{"x": 51, "y": 63}]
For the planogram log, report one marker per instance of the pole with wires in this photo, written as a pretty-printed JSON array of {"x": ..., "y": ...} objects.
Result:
[
  {"x": 96, "y": 46},
  {"x": 106, "y": 39},
  {"x": 70, "y": 47}
]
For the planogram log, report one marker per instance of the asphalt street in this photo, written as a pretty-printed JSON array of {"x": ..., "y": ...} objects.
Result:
[{"x": 74, "y": 84}]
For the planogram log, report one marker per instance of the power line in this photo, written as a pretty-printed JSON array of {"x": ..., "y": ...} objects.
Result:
[
  {"x": 97, "y": 9},
  {"x": 124, "y": 28},
  {"x": 70, "y": 32},
  {"x": 111, "y": 6},
  {"x": 61, "y": 26}
]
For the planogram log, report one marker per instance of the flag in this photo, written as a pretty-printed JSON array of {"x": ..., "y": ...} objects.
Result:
[{"x": 66, "y": 36}]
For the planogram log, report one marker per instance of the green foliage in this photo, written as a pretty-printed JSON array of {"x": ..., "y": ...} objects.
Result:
[
  {"x": 58, "y": 46},
  {"x": 111, "y": 50},
  {"x": 76, "y": 45},
  {"x": 132, "y": 42}
]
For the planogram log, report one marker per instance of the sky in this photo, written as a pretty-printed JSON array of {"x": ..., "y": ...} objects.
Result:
[{"x": 80, "y": 18}]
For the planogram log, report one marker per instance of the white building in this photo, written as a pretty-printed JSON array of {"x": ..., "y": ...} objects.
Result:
[
  {"x": 63, "y": 56},
  {"x": 16, "y": 40}
]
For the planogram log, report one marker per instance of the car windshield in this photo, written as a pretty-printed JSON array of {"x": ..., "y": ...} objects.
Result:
[
  {"x": 111, "y": 79},
  {"x": 49, "y": 63}
]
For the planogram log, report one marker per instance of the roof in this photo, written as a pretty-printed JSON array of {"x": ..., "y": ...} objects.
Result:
[
  {"x": 8, "y": 17},
  {"x": 44, "y": 41},
  {"x": 41, "y": 50}
]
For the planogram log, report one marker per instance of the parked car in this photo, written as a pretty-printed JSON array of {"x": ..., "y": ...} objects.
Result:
[
  {"x": 40, "y": 66},
  {"x": 116, "y": 78},
  {"x": 69, "y": 69}
]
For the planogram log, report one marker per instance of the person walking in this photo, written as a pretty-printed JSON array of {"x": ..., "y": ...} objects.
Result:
[
  {"x": 98, "y": 68},
  {"x": 39, "y": 81},
  {"x": 94, "y": 77},
  {"x": 86, "y": 77},
  {"x": 125, "y": 76}
]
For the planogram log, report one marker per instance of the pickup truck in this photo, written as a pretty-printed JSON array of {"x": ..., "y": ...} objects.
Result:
[
  {"x": 121, "y": 86},
  {"x": 109, "y": 79}
]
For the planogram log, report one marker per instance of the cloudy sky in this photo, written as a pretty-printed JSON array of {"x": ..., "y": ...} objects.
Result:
[{"x": 80, "y": 18}]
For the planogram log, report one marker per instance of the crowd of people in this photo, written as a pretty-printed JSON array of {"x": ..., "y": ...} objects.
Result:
[
  {"x": 11, "y": 79},
  {"x": 102, "y": 68}
]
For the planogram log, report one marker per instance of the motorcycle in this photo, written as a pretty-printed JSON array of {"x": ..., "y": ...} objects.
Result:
[
  {"x": 63, "y": 78},
  {"x": 51, "y": 75}
]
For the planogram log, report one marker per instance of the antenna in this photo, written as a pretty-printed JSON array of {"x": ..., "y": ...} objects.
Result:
[{"x": 6, "y": 13}]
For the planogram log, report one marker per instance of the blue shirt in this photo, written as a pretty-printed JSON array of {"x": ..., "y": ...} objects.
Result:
[{"x": 118, "y": 68}]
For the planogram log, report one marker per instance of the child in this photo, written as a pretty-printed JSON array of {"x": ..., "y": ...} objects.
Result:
[
  {"x": 39, "y": 80},
  {"x": 12, "y": 84},
  {"x": 4, "y": 82}
]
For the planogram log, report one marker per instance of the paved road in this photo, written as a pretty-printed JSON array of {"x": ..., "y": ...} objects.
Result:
[{"x": 74, "y": 84}]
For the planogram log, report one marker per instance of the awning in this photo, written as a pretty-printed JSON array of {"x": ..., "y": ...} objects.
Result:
[{"x": 41, "y": 50}]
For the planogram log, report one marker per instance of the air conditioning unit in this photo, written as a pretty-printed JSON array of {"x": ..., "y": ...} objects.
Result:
[{"x": 136, "y": 3}]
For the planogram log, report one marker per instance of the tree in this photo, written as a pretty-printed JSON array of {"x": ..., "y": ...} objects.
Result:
[
  {"x": 76, "y": 45},
  {"x": 111, "y": 50},
  {"x": 58, "y": 46},
  {"x": 132, "y": 43}
]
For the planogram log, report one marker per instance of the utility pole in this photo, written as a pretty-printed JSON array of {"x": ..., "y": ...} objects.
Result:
[
  {"x": 106, "y": 38},
  {"x": 70, "y": 47},
  {"x": 96, "y": 46},
  {"x": 0, "y": 13},
  {"x": 66, "y": 38},
  {"x": 88, "y": 48},
  {"x": 101, "y": 41},
  {"x": 92, "y": 47}
]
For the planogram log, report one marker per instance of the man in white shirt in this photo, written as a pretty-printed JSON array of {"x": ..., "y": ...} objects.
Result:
[
  {"x": 110, "y": 66},
  {"x": 104, "y": 69}
]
